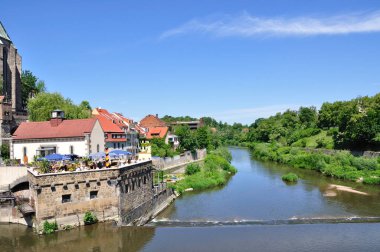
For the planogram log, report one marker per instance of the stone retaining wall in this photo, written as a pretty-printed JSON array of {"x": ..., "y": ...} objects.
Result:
[{"x": 122, "y": 194}]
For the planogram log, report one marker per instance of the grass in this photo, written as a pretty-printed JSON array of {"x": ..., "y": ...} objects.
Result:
[
  {"x": 341, "y": 165},
  {"x": 321, "y": 140},
  {"x": 215, "y": 172},
  {"x": 290, "y": 177}
]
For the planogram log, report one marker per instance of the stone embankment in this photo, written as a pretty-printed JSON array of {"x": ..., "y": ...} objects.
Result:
[{"x": 179, "y": 162}]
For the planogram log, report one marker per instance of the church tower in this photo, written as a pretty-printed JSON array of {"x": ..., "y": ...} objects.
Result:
[
  {"x": 10, "y": 71},
  {"x": 12, "y": 112}
]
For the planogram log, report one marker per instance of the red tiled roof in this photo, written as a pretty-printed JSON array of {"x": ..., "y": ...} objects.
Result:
[
  {"x": 152, "y": 121},
  {"x": 127, "y": 120},
  {"x": 108, "y": 125},
  {"x": 159, "y": 132},
  {"x": 114, "y": 120},
  {"x": 41, "y": 130}
]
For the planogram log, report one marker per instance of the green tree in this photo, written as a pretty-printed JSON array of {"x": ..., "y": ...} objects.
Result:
[
  {"x": 40, "y": 107},
  {"x": 31, "y": 86},
  {"x": 5, "y": 153},
  {"x": 203, "y": 136},
  {"x": 308, "y": 116},
  {"x": 186, "y": 137}
]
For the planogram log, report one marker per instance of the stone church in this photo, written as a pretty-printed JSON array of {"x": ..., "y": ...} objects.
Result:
[{"x": 12, "y": 112}]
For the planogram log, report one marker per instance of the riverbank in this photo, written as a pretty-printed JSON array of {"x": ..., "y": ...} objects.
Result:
[
  {"x": 341, "y": 165},
  {"x": 215, "y": 171}
]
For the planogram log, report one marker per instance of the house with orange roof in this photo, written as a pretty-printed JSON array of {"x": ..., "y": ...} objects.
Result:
[
  {"x": 155, "y": 128},
  {"x": 81, "y": 137},
  {"x": 120, "y": 132}
]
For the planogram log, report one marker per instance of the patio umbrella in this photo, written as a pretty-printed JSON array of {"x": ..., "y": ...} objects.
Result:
[
  {"x": 97, "y": 155},
  {"x": 55, "y": 157},
  {"x": 102, "y": 155},
  {"x": 120, "y": 152}
]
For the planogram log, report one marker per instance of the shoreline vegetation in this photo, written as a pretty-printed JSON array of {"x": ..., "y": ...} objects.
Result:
[
  {"x": 215, "y": 171},
  {"x": 340, "y": 164}
]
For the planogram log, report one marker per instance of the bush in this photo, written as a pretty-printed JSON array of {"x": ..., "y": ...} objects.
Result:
[
  {"x": 192, "y": 169},
  {"x": 50, "y": 227},
  {"x": 290, "y": 177},
  {"x": 215, "y": 172},
  {"x": 372, "y": 180},
  {"x": 90, "y": 218}
]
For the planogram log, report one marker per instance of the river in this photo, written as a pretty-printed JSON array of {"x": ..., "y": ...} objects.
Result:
[{"x": 255, "y": 211}]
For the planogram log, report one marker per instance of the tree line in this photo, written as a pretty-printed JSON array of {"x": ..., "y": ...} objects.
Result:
[{"x": 353, "y": 125}]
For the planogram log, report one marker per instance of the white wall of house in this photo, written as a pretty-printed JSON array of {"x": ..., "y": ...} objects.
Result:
[
  {"x": 97, "y": 138},
  {"x": 62, "y": 146}
]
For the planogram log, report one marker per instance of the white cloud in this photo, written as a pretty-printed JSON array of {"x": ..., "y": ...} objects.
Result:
[
  {"x": 246, "y": 25},
  {"x": 249, "y": 115}
]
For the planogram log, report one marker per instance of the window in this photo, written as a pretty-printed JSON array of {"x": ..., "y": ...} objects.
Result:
[
  {"x": 93, "y": 194},
  {"x": 97, "y": 148},
  {"x": 71, "y": 149},
  {"x": 66, "y": 198},
  {"x": 114, "y": 145},
  {"x": 24, "y": 151}
]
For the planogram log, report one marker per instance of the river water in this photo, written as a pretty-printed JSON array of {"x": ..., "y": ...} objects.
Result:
[{"x": 255, "y": 211}]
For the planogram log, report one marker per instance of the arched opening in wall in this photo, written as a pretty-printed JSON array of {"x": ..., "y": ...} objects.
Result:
[
  {"x": 21, "y": 192},
  {"x": 97, "y": 148}
]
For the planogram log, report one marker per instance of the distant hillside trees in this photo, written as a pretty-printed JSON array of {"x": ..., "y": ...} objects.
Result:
[{"x": 353, "y": 124}]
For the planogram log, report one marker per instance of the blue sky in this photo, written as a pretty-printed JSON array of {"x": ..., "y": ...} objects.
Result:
[{"x": 232, "y": 60}]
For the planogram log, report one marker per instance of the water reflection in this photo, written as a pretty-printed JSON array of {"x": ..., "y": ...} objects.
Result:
[
  {"x": 257, "y": 192},
  {"x": 100, "y": 237}
]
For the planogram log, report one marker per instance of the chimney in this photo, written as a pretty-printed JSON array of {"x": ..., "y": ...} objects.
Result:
[{"x": 57, "y": 116}]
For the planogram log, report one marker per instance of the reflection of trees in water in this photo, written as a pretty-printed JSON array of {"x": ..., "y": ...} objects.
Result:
[
  {"x": 98, "y": 237},
  {"x": 311, "y": 180}
]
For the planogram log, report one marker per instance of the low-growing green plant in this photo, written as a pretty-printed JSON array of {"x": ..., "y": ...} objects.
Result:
[
  {"x": 215, "y": 172},
  {"x": 89, "y": 218},
  {"x": 338, "y": 164},
  {"x": 67, "y": 227},
  {"x": 372, "y": 180},
  {"x": 49, "y": 227},
  {"x": 192, "y": 169},
  {"x": 290, "y": 177}
]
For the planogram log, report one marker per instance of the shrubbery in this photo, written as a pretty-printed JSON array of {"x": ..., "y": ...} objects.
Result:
[
  {"x": 290, "y": 177},
  {"x": 341, "y": 164},
  {"x": 192, "y": 169},
  {"x": 215, "y": 172},
  {"x": 49, "y": 227},
  {"x": 89, "y": 218}
]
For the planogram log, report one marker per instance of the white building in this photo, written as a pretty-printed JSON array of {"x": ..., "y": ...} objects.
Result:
[{"x": 81, "y": 137}]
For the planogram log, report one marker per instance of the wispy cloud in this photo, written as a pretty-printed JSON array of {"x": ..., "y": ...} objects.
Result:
[
  {"x": 246, "y": 25},
  {"x": 249, "y": 115}
]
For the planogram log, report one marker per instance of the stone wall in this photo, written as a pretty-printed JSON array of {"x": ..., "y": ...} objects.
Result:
[
  {"x": 187, "y": 157},
  {"x": 123, "y": 194}
]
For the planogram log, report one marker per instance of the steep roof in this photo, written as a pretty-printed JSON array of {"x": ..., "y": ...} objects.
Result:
[
  {"x": 108, "y": 121},
  {"x": 43, "y": 130},
  {"x": 3, "y": 32},
  {"x": 152, "y": 121},
  {"x": 108, "y": 126},
  {"x": 157, "y": 132}
]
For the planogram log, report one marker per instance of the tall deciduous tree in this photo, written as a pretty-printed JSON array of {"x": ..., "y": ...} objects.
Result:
[
  {"x": 31, "y": 86},
  {"x": 40, "y": 107}
]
